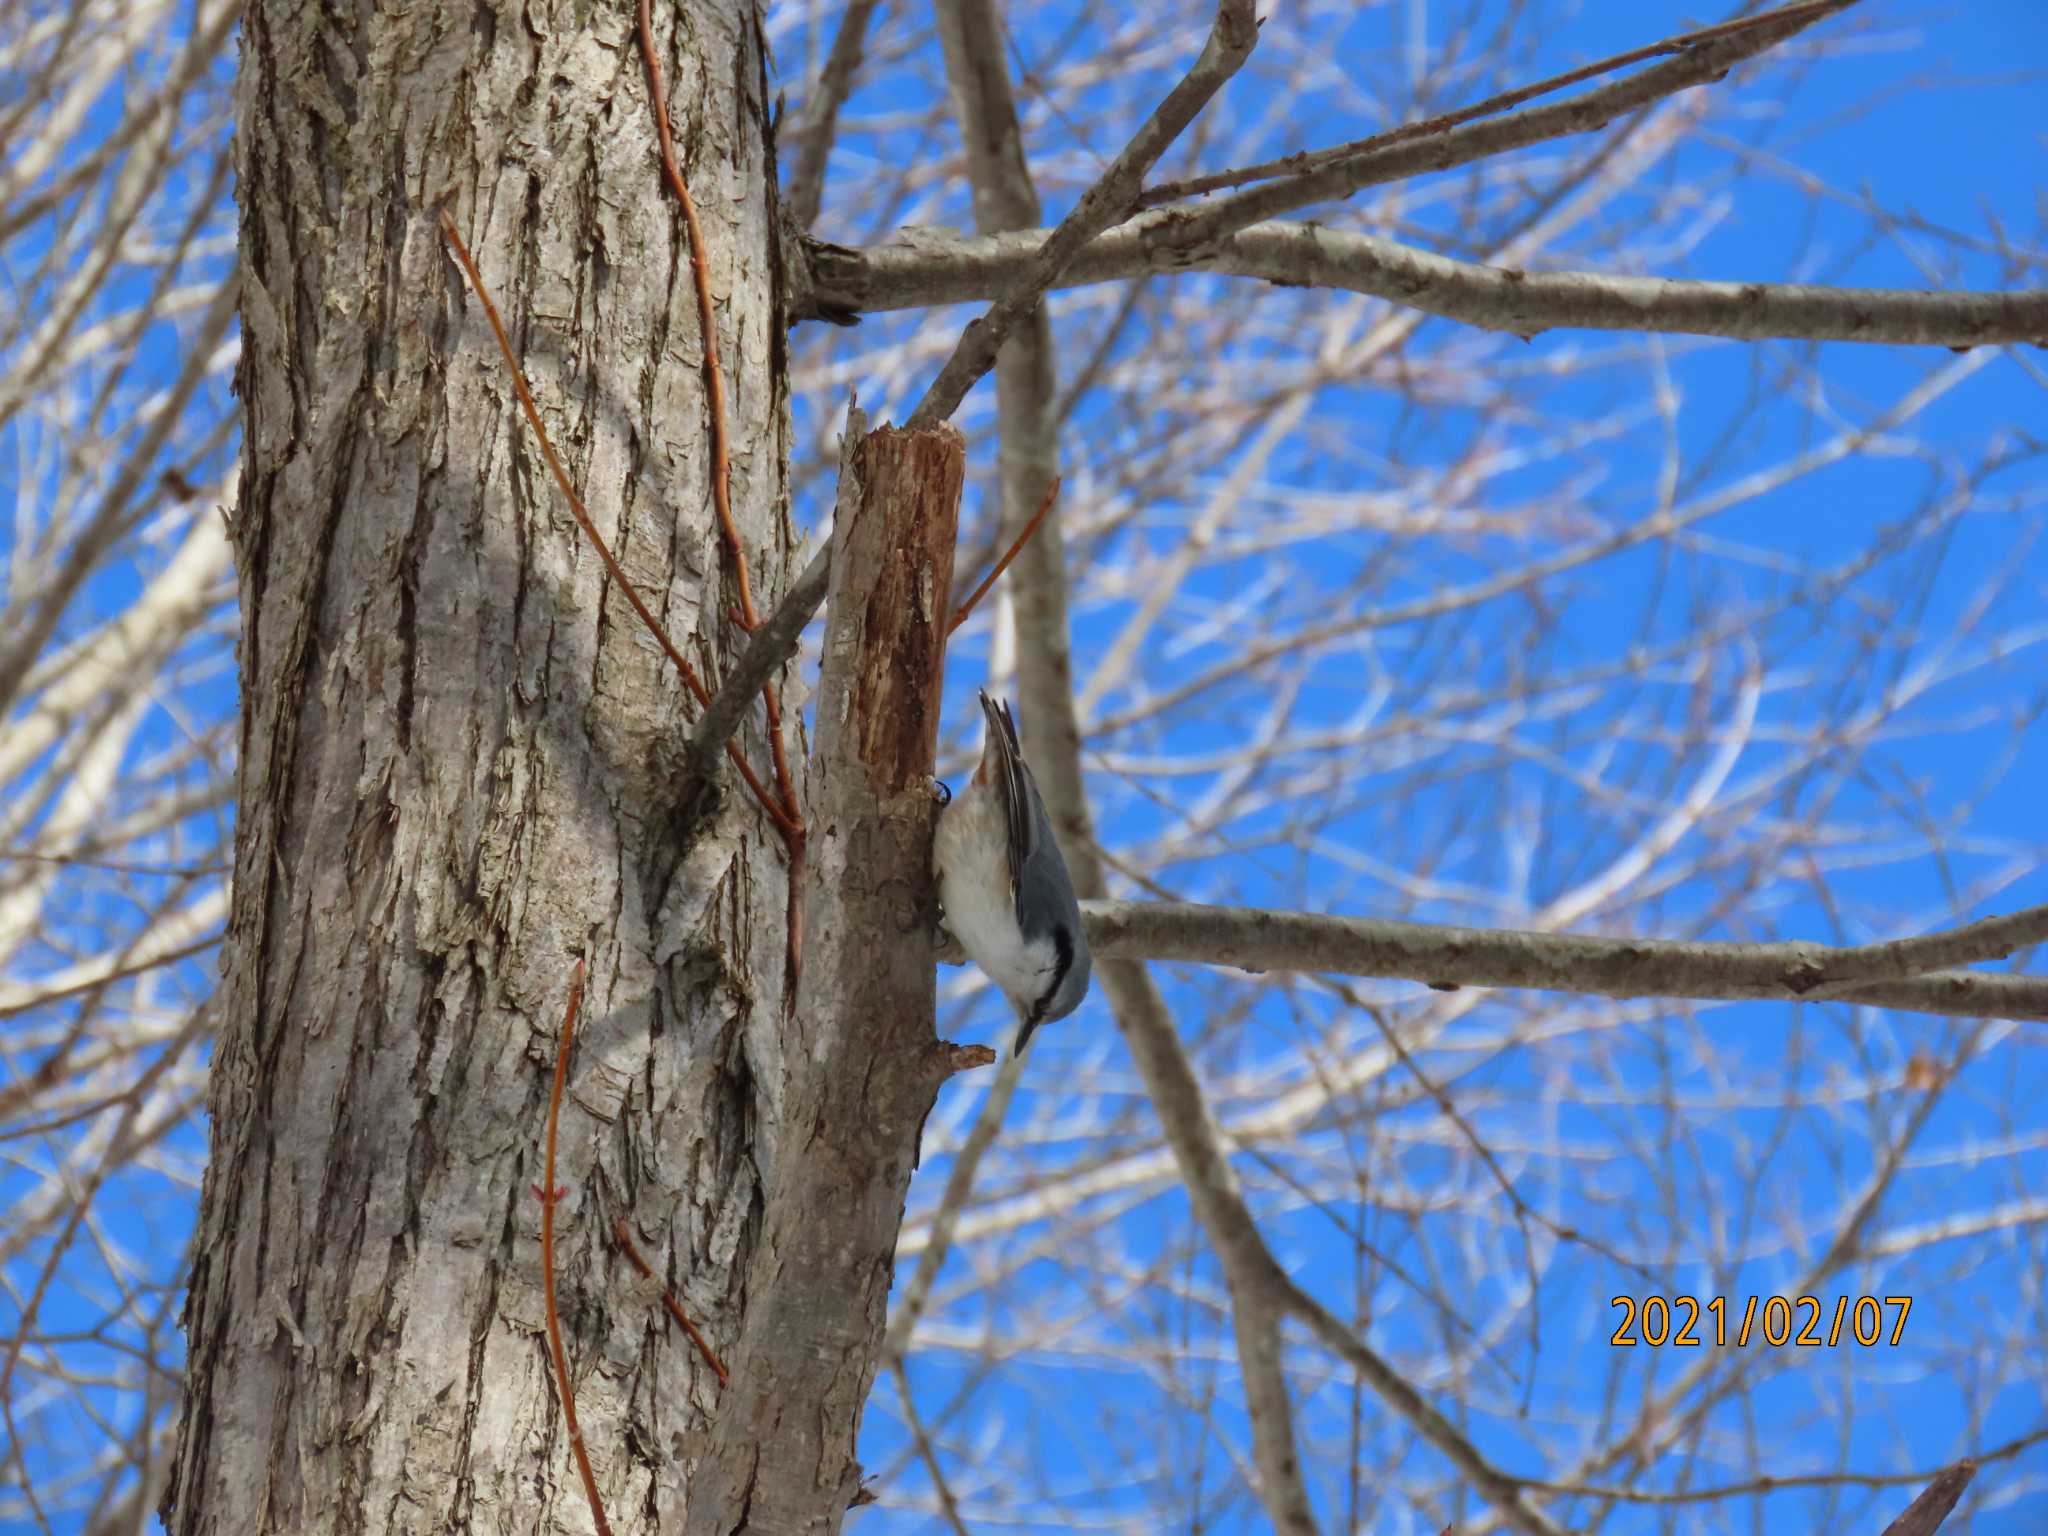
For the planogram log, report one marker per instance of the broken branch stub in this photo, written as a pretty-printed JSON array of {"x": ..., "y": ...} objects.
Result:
[{"x": 863, "y": 1060}]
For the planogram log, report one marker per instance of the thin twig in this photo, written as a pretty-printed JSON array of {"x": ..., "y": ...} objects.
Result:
[
  {"x": 1016, "y": 548},
  {"x": 714, "y": 390},
  {"x": 948, "y": 1505},
  {"x": 668, "y": 1299},
  {"x": 1700, "y": 64},
  {"x": 707, "y": 319},
  {"x": 1110, "y": 199},
  {"x": 548, "y": 1194},
  {"x": 547, "y": 448},
  {"x": 618, "y": 574},
  {"x": 120, "y": 973},
  {"x": 1309, "y": 160},
  {"x": 1523, "y": 1211},
  {"x": 1936, "y": 1481},
  {"x": 135, "y": 1099}
]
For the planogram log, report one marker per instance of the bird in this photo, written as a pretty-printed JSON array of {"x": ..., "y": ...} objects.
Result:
[{"x": 1003, "y": 887}]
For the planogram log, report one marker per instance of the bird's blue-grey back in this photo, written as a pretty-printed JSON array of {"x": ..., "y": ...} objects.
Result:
[
  {"x": 1042, "y": 892},
  {"x": 1048, "y": 910}
]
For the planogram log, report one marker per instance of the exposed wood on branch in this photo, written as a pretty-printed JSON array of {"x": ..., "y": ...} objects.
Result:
[{"x": 863, "y": 1062}]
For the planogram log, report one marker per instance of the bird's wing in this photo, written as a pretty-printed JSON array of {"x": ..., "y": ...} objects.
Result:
[{"x": 1013, "y": 783}]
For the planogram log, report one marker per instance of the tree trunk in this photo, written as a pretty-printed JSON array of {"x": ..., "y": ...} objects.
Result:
[{"x": 457, "y": 773}]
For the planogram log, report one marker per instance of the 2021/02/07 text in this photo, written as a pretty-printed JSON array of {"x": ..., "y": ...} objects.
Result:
[{"x": 1655, "y": 1321}]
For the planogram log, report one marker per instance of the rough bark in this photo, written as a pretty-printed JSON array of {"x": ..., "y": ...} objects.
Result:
[
  {"x": 457, "y": 768},
  {"x": 865, "y": 1063}
]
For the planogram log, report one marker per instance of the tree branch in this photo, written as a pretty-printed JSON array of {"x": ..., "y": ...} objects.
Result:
[
  {"x": 1218, "y": 1201},
  {"x": 1509, "y": 1497},
  {"x": 1897, "y": 974},
  {"x": 958, "y": 269},
  {"x": 821, "y": 114},
  {"x": 26, "y": 637},
  {"x": 1924, "y": 1515},
  {"x": 860, "y": 1065},
  {"x": 1302, "y": 161},
  {"x": 1396, "y": 159},
  {"x": 1261, "y": 1291},
  {"x": 1112, "y": 196}
]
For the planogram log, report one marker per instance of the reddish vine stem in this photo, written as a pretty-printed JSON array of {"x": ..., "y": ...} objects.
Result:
[
  {"x": 714, "y": 378},
  {"x": 776, "y": 812},
  {"x": 548, "y": 1195},
  {"x": 791, "y": 822},
  {"x": 668, "y": 1299},
  {"x": 960, "y": 617}
]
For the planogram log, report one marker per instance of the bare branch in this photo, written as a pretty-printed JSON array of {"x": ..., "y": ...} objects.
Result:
[
  {"x": 1508, "y": 1495},
  {"x": 1260, "y": 1289},
  {"x": 1108, "y": 200},
  {"x": 114, "y": 514},
  {"x": 1888, "y": 975},
  {"x": 1945, "y": 1479},
  {"x": 1533, "y": 649},
  {"x": 1298, "y": 164},
  {"x": 1004, "y": 195},
  {"x": 863, "y": 1064},
  {"x": 203, "y": 47},
  {"x": 939, "y": 269},
  {"x": 1213, "y": 1190},
  {"x": 948, "y": 1505},
  {"x": 1371, "y": 166},
  {"x": 806, "y": 190}
]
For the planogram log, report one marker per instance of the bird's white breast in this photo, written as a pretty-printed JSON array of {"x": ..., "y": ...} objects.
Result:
[{"x": 968, "y": 855}]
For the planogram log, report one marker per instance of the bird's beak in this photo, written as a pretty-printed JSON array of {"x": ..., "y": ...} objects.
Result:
[{"x": 1024, "y": 1031}]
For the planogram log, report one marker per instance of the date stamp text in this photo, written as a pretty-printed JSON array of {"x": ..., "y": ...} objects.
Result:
[{"x": 1804, "y": 1320}]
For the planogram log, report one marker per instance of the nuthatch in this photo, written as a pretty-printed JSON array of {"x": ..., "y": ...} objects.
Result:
[{"x": 1004, "y": 886}]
